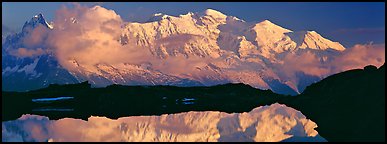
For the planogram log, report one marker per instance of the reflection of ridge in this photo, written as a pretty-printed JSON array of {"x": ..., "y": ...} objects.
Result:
[{"x": 51, "y": 109}]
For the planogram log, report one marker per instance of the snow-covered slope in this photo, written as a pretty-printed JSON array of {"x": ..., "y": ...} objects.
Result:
[
  {"x": 263, "y": 124},
  {"x": 313, "y": 40},
  {"x": 202, "y": 48}
]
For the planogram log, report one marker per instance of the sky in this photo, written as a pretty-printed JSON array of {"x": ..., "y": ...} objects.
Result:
[{"x": 348, "y": 23}]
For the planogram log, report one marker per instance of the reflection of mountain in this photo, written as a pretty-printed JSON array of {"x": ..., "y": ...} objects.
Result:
[
  {"x": 268, "y": 123},
  {"x": 210, "y": 48},
  {"x": 348, "y": 106}
]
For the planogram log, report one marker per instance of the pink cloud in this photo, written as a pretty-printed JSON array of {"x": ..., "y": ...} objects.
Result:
[
  {"x": 359, "y": 56},
  {"x": 23, "y": 52},
  {"x": 310, "y": 63},
  {"x": 36, "y": 37},
  {"x": 92, "y": 39}
]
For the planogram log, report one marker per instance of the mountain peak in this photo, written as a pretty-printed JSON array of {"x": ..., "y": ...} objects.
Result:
[
  {"x": 313, "y": 33},
  {"x": 266, "y": 24},
  {"x": 37, "y": 19},
  {"x": 313, "y": 40},
  {"x": 214, "y": 13},
  {"x": 189, "y": 14},
  {"x": 158, "y": 14},
  {"x": 157, "y": 17},
  {"x": 40, "y": 15}
]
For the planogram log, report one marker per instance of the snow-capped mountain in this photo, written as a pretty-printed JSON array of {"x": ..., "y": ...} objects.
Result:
[
  {"x": 36, "y": 20},
  {"x": 26, "y": 73},
  {"x": 216, "y": 49}
]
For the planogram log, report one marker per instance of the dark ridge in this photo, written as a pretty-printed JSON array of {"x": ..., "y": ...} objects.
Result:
[
  {"x": 349, "y": 106},
  {"x": 83, "y": 85},
  {"x": 382, "y": 67},
  {"x": 116, "y": 101}
]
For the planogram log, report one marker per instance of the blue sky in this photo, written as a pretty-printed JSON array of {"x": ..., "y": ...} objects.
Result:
[{"x": 347, "y": 23}]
